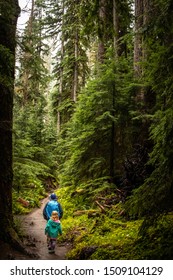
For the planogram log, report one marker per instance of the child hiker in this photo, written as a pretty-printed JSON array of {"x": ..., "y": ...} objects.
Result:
[{"x": 52, "y": 230}]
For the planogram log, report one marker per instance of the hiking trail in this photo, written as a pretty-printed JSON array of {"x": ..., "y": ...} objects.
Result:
[{"x": 33, "y": 225}]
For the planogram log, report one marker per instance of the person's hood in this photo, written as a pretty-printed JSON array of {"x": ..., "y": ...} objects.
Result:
[{"x": 54, "y": 224}]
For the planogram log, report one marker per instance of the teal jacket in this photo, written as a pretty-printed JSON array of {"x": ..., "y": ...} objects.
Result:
[{"x": 53, "y": 228}]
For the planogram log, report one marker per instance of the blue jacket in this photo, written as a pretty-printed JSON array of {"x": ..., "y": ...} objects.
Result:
[
  {"x": 53, "y": 228},
  {"x": 50, "y": 206}
]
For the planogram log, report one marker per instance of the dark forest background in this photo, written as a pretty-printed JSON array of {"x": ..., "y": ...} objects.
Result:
[{"x": 86, "y": 107}]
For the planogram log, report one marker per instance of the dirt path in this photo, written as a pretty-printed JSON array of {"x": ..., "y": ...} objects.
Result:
[{"x": 33, "y": 226}]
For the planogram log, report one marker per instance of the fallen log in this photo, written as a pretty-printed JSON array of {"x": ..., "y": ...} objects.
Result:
[
  {"x": 106, "y": 205},
  {"x": 100, "y": 206},
  {"x": 24, "y": 202},
  {"x": 90, "y": 213}
]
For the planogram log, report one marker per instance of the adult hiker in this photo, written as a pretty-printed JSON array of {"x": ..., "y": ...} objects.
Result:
[{"x": 52, "y": 205}]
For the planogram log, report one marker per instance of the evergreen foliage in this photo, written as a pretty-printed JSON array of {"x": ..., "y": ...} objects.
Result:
[
  {"x": 84, "y": 117},
  {"x": 155, "y": 195},
  {"x": 87, "y": 142},
  {"x": 34, "y": 136}
]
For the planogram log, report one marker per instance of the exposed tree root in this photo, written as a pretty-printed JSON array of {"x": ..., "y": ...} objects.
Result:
[{"x": 10, "y": 242}]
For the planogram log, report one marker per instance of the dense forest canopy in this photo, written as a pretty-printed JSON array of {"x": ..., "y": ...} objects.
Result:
[{"x": 92, "y": 102}]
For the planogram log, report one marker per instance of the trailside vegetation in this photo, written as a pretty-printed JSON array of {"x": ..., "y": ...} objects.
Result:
[{"x": 98, "y": 229}]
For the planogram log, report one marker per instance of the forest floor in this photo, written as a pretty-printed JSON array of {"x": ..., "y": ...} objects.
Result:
[{"x": 32, "y": 228}]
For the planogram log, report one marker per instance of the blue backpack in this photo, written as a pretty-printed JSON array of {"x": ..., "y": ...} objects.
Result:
[{"x": 52, "y": 205}]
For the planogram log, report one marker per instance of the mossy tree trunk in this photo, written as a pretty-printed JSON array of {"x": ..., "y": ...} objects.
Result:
[{"x": 9, "y": 11}]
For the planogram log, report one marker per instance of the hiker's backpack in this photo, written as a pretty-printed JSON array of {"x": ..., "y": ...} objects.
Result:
[{"x": 52, "y": 205}]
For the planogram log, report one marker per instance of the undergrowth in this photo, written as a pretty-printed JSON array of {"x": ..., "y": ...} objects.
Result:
[
  {"x": 109, "y": 235},
  {"x": 27, "y": 198}
]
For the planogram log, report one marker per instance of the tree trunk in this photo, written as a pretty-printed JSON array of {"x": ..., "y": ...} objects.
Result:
[
  {"x": 101, "y": 35},
  {"x": 144, "y": 98},
  {"x": 27, "y": 55},
  {"x": 76, "y": 68},
  {"x": 113, "y": 137},
  {"x": 61, "y": 73},
  {"x": 9, "y": 11},
  {"x": 115, "y": 27},
  {"x": 60, "y": 88},
  {"x": 147, "y": 4},
  {"x": 138, "y": 37}
]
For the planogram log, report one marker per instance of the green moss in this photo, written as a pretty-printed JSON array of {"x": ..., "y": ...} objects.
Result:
[
  {"x": 109, "y": 235},
  {"x": 95, "y": 234}
]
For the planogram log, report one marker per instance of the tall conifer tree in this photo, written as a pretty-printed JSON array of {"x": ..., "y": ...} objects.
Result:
[{"x": 9, "y": 12}]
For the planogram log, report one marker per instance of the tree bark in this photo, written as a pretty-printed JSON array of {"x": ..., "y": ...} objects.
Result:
[
  {"x": 138, "y": 37},
  {"x": 115, "y": 27},
  {"x": 61, "y": 73},
  {"x": 9, "y": 11},
  {"x": 27, "y": 55},
  {"x": 101, "y": 35},
  {"x": 75, "y": 86},
  {"x": 147, "y": 4}
]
